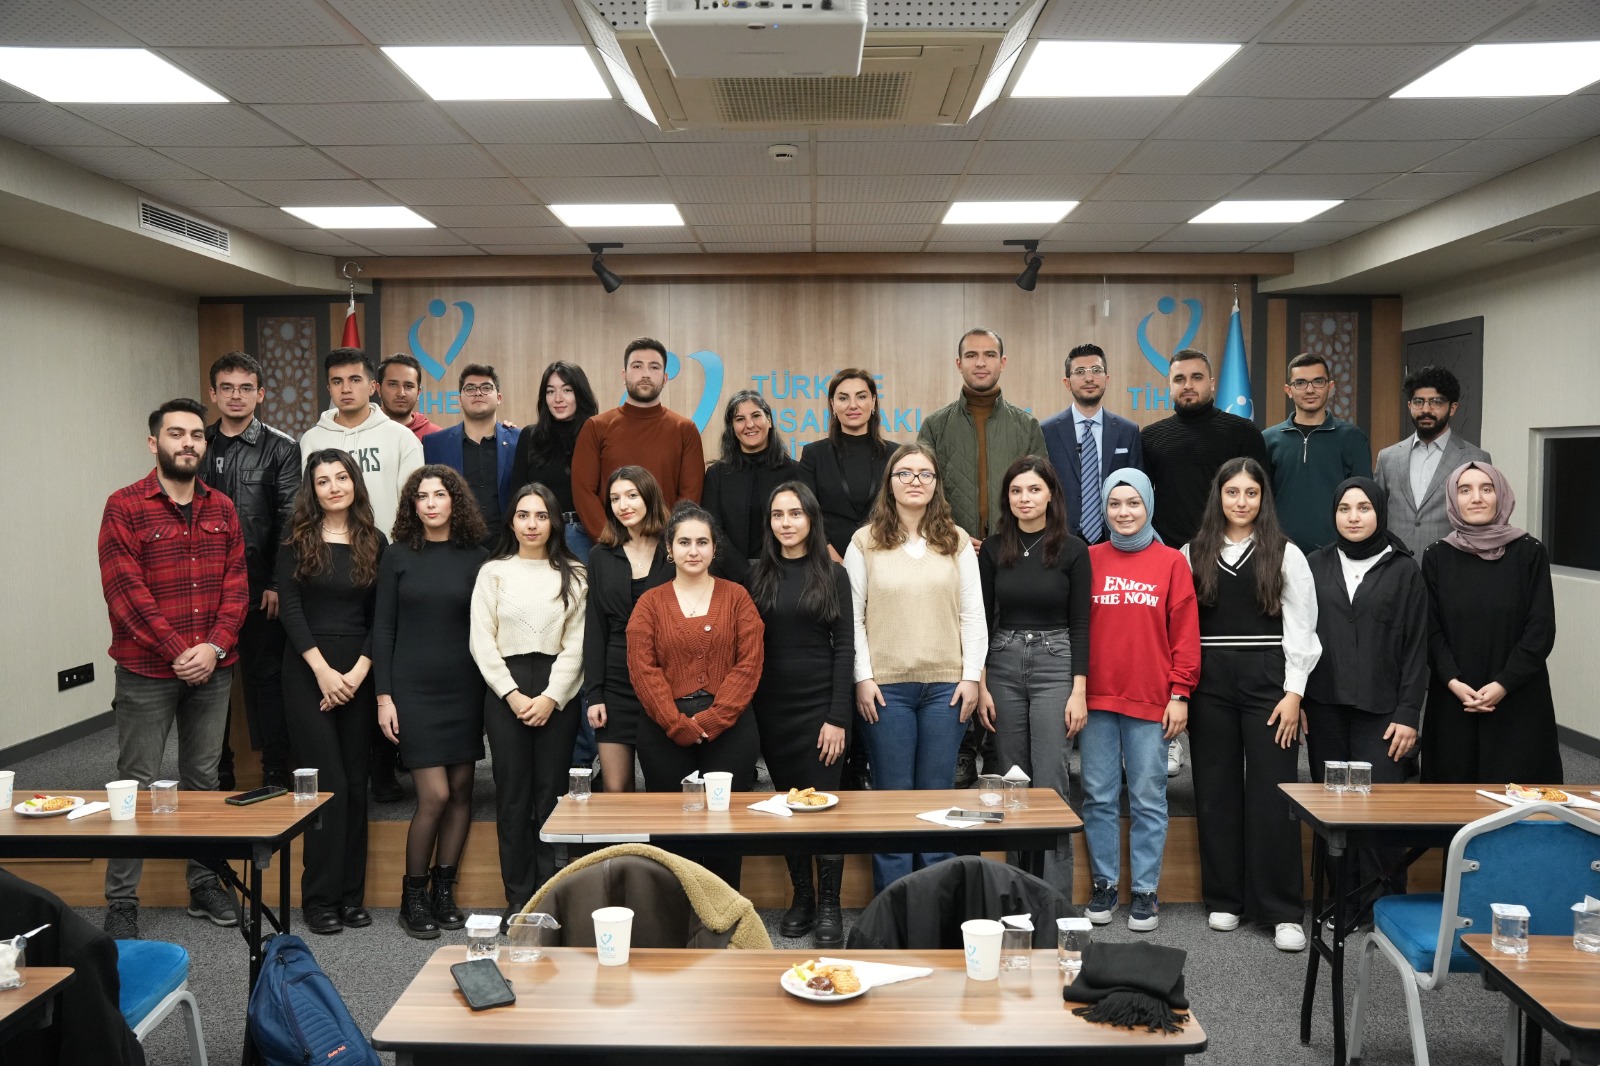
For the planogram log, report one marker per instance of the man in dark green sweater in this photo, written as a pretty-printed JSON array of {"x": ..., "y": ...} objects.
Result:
[{"x": 1311, "y": 453}]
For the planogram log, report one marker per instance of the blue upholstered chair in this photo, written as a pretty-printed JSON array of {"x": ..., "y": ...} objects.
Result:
[
  {"x": 1545, "y": 864},
  {"x": 155, "y": 979}
]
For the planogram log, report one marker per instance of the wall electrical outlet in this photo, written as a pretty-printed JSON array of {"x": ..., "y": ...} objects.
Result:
[{"x": 74, "y": 676}]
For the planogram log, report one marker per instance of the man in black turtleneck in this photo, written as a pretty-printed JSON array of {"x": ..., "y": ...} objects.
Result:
[{"x": 1182, "y": 453}]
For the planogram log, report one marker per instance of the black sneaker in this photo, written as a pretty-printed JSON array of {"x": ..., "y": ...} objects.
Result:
[
  {"x": 122, "y": 920},
  {"x": 1145, "y": 913},
  {"x": 1102, "y": 903},
  {"x": 966, "y": 769},
  {"x": 209, "y": 900},
  {"x": 276, "y": 777}
]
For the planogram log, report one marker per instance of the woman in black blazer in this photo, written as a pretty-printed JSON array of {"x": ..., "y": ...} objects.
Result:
[
  {"x": 846, "y": 467},
  {"x": 737, "y": 487}
]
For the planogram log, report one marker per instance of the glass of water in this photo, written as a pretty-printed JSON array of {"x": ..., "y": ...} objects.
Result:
[
  {"x": 1336, "y": 776},
  {"x": 1073, "y": 935},
  {"x": 527, "y": 934},
  {"x": 578, "y": 783},
  {"x": 1361, "y": 777},
  {"x": 483, "y": 936},
  {"x": 1510, "y": 932},
  {"x": 1585, "y": 929}
]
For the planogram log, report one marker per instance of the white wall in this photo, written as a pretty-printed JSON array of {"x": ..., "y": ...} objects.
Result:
[
  {"x": 1541, "y": 340},
  {"x": 88, "y": 356}
]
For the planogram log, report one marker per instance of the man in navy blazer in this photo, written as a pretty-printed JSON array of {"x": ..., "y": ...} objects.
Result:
[
  {"x": 1114, "y": 441},
  {"x": 480, "y": 447}
]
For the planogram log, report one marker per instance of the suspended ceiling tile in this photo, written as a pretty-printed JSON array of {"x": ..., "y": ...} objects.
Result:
[
  {"x": 296, "y": 75},
  {"x": 416, "y": 160},
  {"x": 574, "y": 122},
  {"x": 1050, "y": 157},
  {"x": 1363, "y": 157},
  {"x": 755, "y": 190},
  {"x": 461, "y": 21},
  {"x": 11, "y": 94},
  {"x": 1370, "y": 210},
  {"x": 1206, "y": 157},
  {"x": 520, "y": 215},
  {"x": 746, "y": 214},
  {"x": 873, "y": 233},
  {"x": 1168, "y": 211},
  {"x": 925, "y": 213},
  {"x": 869, "y": 246},
  {"x": 197, "y": 194},
  {"x": 40, "y": 123},
  {"x": 43, "y": 23},
  {"x": 1018, "y": 231},
  {"x": 730, "y": 159},
  {"x": 1496, "y": 155},
  {"x": 1213, "y": 233},
  {"x": 122, "y": 163},
  {"x": 178, "y": 125},
  {"x": 372, "y": 238},
  {"x": 900, "y": 157},
  {"x": 367, "y": 123},
  {"x": 635, "y": 234},
  {"x": 759, "y": 246},
  {"x": 478, "y": 192},
  {"x": 884, "y": 189},
  {"x": 1090, "y": 247},
  {"x": 1387, "y": 22},
  {"x": 1277, "y": 70},
  {"x": 1237, "y": 118},
  {"x": 1307, "y": 186},
  {"x": 535, "y": 249},
  {"x": 1570, "y": 116},
  {"x": 1426, "y": 186},
  {"x": 1288, "y": 246},
  {"x": 969, "y": 132},
  {"x": 746, "y": 234},
  {"x": 314, "y": 240},
  {"x": 1197, "y": 247},
  {"x": 1138, "y": 232},
  {"x": 260, "y": 219},
  {"x": 643, "y": 248},
  {"x": 327, "y": 193},
  {"x": 1169, "y": 186},
  {"x": 248, "y": 23},
  {"x": 649, "y": 131},
  {"x": 1318, "y": 230},
  {"x": 399, "y": 250},
  {"x": 516, "y": 235},
  {"x": 1117, "y": 20},
  {"x": 970, "y": 248},
  {"x": 1432, "y": 120},
  {"x": 1078, "y": 120},
  {"x": 1554, "y": 20},
  {"x": 601, "y": 190},
  {"x": 1029, "y": 186},
  {"x": 260, "y": 162},
  {"x": 564, "y": 160}
]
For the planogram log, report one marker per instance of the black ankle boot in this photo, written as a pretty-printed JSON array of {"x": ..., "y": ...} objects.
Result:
[
  {"x": 445, "y": 911},
  {"x": 830, "y": 919},
  {"x": 802, "y": 913},
  {"x": 416, "y": 916}
]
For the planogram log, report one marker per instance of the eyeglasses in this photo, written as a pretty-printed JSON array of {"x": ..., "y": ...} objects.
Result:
[
  {"x": 488, "y": 388},
  {"x": 1302, "y": 384},
  {"x": 916, "y": 477},
  {"x": 1438, "y": 403},
  {"x": 1089, "y": 372},
  {"x": 245, "y": 391}
]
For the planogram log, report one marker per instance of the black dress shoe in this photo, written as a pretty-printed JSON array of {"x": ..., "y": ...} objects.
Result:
[
  {"x": 324, "y": 923},
  {"x": 355, "y": 917}
]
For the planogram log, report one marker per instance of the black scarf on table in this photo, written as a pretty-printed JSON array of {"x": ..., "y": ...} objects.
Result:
[{"x": 1131, "y": 986}]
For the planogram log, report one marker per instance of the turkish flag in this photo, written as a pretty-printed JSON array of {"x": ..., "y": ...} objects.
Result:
[{"x": 352, "y": 336}]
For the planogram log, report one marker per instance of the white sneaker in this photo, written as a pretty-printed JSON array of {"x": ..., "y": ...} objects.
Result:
[
  {"x": 1289, "y": 937},
  {"x": 1223, "y": 922},
  {"x": 1174, "y": 758}
]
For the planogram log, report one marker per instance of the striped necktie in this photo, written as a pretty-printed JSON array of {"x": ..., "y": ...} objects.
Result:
[{"x": 1092, "y": 522}]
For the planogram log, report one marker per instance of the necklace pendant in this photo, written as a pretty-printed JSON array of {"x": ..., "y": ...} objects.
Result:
[{"x": 1026, "y": 552}]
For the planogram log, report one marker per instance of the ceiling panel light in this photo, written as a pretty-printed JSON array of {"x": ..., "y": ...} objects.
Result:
[
  {"x": 1001, "y": 212},
  {"x": 1543, "y": 69},
  {"x": 616, "y": 216},
  {"x": 1119, "y": 68},
  {"x": 101, "y": 76},
  {"x": 1264, "y": 210},
  {"x": 361, "y": 217},
  {"x": 534, "y": 72}
]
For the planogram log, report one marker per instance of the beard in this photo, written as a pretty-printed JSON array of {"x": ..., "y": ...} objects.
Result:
[
  {"x": 643, "y": 391},
  {"x": 172, "y": 471},
  {"x": 1192, "y": 405},
  {"x": 1441, "y": 422}
]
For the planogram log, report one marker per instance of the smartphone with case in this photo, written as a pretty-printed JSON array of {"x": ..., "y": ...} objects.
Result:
[
  {"x": 978, "y": 816},
  {"x": 256, "y": 795},
  {"x": 482, "y": 983}
]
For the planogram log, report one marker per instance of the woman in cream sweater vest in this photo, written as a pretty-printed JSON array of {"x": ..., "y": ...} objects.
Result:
[{"x": 920, "y": 636}]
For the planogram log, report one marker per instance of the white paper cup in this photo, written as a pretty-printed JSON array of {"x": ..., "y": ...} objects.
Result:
[
  {"x": 719, "y": 789},
  {"x": 980, "y": 937},
  {"x": 613, "y": 932},
  {"x": 123, "y": 797},
  {"x": 8, "y": 781}
]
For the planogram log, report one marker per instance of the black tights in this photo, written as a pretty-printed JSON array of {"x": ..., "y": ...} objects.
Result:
[{"x": 444, "y": 814}]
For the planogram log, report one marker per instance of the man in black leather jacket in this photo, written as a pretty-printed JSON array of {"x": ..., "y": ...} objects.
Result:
[{"x": 258, "y": 468}]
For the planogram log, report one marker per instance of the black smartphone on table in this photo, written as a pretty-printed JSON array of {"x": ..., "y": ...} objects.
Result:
[
  {"x": 978, "y": 816},
  {"x": 482, "y": 983},
  {"x": 256, "y": 795}
]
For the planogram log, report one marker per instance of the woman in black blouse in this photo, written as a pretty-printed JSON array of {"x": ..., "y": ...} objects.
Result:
[
  {"x": 754, "y": 462},
  {"x": 327, "y": 578},
  {"x": 1036, "y": 585},
  {"x": 845, "y": 468},
  {"x": 544, "y": 449},
  {"x": 803, "y": 702}
]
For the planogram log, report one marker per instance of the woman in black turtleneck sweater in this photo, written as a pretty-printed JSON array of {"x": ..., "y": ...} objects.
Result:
[
  {"x": 754, "y": 462},
  {"x": 544, "y": 449},
  {"x": 846, "y": 468}
]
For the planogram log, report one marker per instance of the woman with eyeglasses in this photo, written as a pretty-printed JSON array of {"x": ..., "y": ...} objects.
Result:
[
  {"x": 1491, "y": 626},
  {"x": 738, "y": 485},
  {"x": 920, "y": 636},
  {"x": 544, "y": 449}
]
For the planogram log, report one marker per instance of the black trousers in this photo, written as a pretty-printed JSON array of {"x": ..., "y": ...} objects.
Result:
[
  {"x": 1249, "y": 846},
  {"x": 530, "y": 765},
  {"x": 261, "y": 643},
  {"x": 335, "y": 742},
  {"x": 1348, "y": 733},
  {"x": 665, "y": 764}
]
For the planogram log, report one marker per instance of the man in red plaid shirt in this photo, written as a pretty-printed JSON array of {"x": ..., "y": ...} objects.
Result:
[{"x": 173, "y": 572}]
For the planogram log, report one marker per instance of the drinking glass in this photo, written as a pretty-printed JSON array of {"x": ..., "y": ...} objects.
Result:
[
  {"x": 305, "y": 785},
  {"x": 1585, "y": 929},
  {"x": 1361, "y": 778},
  {"x": 578, "y": 783},
  {"x": 1073, "y": 936},
  {"x": 1510, "y": 933},
  {"x": 1336, "y": 776},
  {"x": 164, "y": 797},
  {"x": 483, "y": 936}
]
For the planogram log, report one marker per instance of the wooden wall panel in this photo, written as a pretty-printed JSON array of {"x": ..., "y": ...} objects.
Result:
[
  {"x": 1276, "y": 340},
  {"x": 1387, "y": 373},
  {"x": 221, "y": 331}
]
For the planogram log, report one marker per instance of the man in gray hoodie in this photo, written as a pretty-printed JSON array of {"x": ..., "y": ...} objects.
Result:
[{"x": 386, "y": 450}]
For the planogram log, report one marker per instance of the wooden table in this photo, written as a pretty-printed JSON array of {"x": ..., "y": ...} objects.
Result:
[
  {"x": 713, "y": 1005},
  {"x": 203, "y": 828},
  {"x": 1555, "y": 986},
  {"x": 31, "y": 1004},
  {"x": 1417, "y": 817}
]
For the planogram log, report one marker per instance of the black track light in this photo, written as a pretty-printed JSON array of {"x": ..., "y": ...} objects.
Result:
[
  {"x": 607, "y": 279},
  {"x": 1029, "y": 278}
]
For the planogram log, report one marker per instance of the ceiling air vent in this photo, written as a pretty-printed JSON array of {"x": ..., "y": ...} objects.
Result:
[
  {"x": 190, "y": 230},
  {"x": 870, "y": 98},
  {"x": 1538, "y": 234}
]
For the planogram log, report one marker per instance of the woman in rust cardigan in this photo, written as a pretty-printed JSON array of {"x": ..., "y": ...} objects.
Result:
[{"x": 695, "y": 649}]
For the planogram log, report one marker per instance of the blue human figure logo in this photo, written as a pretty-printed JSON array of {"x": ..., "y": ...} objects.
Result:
[
  {"x": 437, "y": 309},
  {"x": 710, "y": 394},
  {"x": 1166, "y": 306}
]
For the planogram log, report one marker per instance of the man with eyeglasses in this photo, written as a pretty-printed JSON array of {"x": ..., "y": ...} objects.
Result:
[
  {"x": 1311, "y": 453},
  {"x": 1413, "y": 472},
  {"x": 479, "y": 447},
  {"x": 1087, "y": 442},
  {"x": 258, "y": 468}
]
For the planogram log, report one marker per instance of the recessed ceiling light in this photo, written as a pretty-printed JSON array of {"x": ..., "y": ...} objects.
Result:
[
  {"x": 1000, "y": 212},
  {"x": 101, "y": 76},
  {"x": 1119, "y": 68},
  {"x": 613, "y": 216},
  {"x": 535, "y": 72},
  {"x": 1540, "y": 69},
  {"x": 361, "y": 217},
  {"x": 1264, "y": 210}
]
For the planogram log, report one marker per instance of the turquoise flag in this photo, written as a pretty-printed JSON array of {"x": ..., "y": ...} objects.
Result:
[{"x": 1233, "y": 383}]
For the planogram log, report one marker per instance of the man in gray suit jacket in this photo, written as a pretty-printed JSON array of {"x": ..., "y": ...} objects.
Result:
[{"x": 1413, "y": 473}]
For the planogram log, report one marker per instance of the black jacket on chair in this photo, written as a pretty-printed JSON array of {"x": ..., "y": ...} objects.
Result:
[
  {"x": 1375, "y": 648},
  {"x": 925, "y": 909},
  {"x": 261, "y": 477}
]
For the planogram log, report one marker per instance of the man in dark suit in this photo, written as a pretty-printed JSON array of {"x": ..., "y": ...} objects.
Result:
[
  {"x": 1414, "y": 472},
  {"x": 481, "y": 448},
  {"x": 1086, "y": 437}
]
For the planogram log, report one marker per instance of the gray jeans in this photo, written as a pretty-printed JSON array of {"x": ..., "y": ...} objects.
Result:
[
  {"x": 1030, "y": 679},
  {"x": 145, "y": 708}
]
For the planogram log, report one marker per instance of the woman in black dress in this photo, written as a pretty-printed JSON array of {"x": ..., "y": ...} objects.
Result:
[
  {"x": 544, "y": 449},
  {"x": 803, "y": 702},
  {"x": 628, "y": 561},
  {"x": 430, "y": 693},
  {"x": 1491, "y": 626},
  {"x": 754, "y": 462},
  {"x": 327, "y": 578},
  {"x": 845, "y": 468}
]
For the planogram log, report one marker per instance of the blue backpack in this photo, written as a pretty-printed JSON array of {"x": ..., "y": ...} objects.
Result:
[{"x": 296, "y": 1015}]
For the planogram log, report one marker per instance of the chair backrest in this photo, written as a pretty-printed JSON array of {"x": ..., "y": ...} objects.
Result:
[
  {"x": 1511, "y": 856},
  {"x": 924, "y": 910},
  {"x": 662, "y": 914}
]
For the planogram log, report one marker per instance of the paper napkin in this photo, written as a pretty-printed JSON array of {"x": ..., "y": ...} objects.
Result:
[{"x": 774, "y": 805}]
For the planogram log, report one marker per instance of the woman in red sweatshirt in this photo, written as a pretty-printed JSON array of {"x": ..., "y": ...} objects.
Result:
[{"x": 1143, "y": 605}]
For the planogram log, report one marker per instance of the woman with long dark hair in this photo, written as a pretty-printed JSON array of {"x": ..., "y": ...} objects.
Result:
[
  {"x": 917, "y": 602},
  {"x": 804, "y": 700},
  {"x": 544, "y": 449},
  {"x": 1491, "y": 626},
  {"x": 430, "y": 693},
  {"x": 754, "y": 462},
  {"x": 327, "y": 576},
  {"x": 527, "y": 638},
  {"x": 1036, "y": 584},
  {"x": 1258, "y": 640},
  {"x": 845, "y": 468},
  {"x": 629, "y": 561}
]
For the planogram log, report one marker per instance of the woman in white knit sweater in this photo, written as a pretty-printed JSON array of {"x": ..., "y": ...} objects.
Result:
[{"x": 527, "y": 638}]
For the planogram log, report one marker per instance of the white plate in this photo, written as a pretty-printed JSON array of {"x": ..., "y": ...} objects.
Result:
[
  {"x": 803, "y": 808},
  {"x": 28, "y": 812},
  {"x": 795, "y": 987},
  {"x": 1560, "y": 803}
]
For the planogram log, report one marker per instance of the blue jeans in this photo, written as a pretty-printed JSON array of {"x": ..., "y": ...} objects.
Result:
[
  {"x": 584, "y": 749},
  {"x": 913, "y": 744},
  {"x": 1109, "y": 742}
]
